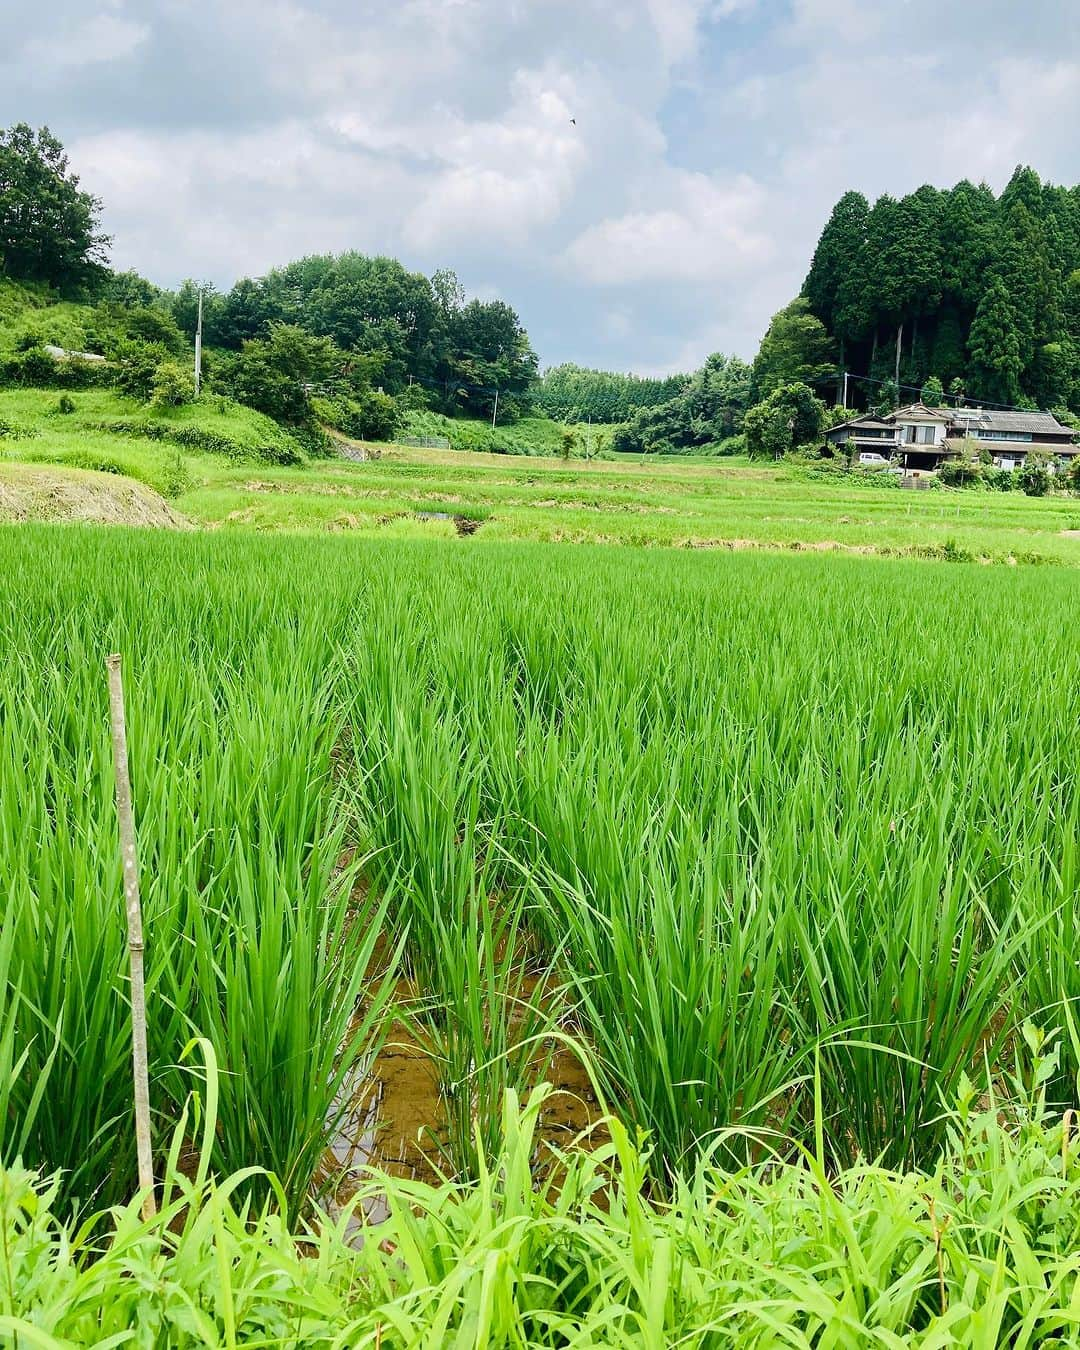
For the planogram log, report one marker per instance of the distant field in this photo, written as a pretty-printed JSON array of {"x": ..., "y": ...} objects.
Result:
[{"x": 680, "y": 502}]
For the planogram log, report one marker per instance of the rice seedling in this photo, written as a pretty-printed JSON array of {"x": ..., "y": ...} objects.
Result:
[{"x": 796, "y": 837}]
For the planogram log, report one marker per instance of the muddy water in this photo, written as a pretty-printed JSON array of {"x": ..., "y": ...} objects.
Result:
[{"x": 397, "y": 1125}]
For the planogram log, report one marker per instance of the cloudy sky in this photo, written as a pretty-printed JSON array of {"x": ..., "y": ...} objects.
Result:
[{"x": 712, "y": 138}]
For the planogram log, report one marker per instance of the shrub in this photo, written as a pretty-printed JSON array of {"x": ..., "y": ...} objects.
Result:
[
  {"x": 13, "y": 431},
  {"x": 34, "y": 366},
  {"x": 1035, "y": 476},
  {"x": 961, "y": 473},
  {"x": 369, "y": 415},
  {"x": 139, "y": 362},
  {"x": 1001, "y": 480},
  {"x": 173, "y": 385},
  {"x": 65, "y": 405},
  {"x": 281, "y": 449}
]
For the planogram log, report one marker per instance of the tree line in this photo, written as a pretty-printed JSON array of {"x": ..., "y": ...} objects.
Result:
[
  {"x": 571, "y": 393},
  {"x": 339, "y": 327}
]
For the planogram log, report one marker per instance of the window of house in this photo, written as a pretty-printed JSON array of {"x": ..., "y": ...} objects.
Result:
[{"x": 926, "y": 435}]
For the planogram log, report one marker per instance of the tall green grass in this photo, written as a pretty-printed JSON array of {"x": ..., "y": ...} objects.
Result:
[{"x": 980, "y": 1250}]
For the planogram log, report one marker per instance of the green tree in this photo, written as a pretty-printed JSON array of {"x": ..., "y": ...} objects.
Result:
[
  {"x": 790, "y": 417},
  {"x": 796, "y": 349},
  {"x": 969, "y": 238},
  {"x": 947, "y": 355},
  {"x": 1034, "y": 292},
  {"x": 933, "y": 392},
  {"x": 491, "y": 350},
  {"x": 48, "y": 226},
  {"x": 841, "y": 242},
  {"x": 185, "y": 309},
  {"x": 995, "y": 348},
  {"x": 130, "y": 291},
  {"x": 275, "y": 375}
]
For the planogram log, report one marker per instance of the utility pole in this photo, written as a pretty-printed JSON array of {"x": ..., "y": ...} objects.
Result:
[
  {"x": 495, "y": 413},
  {"x": 843, "y": 401},
  {"x": 198, "y": 349},
  {"x": 899, "y": 339}
]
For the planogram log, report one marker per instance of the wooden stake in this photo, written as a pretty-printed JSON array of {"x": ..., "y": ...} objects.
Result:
[{"x": 135, "y": 936}]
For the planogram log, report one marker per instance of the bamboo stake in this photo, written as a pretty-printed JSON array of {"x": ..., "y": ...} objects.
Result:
[{"x": 135, "y": 936}]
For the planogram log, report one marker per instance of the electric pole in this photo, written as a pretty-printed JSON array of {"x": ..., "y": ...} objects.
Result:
[
  {"x": 495, "y": 413},
  {"x": 843, "y": 401},
  {"x": 198, "y": 349}
]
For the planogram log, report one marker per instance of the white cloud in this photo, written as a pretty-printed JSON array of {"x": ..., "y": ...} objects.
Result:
[
  {"x": 710, "y": 231},
  {"x": 712, "y": 138},
  {"x": 503, "y": 178},
  {"x": 91, "y": 41}
]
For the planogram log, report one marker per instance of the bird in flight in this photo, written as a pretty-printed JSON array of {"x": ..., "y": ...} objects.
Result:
[{"x": 573, "y": 121}]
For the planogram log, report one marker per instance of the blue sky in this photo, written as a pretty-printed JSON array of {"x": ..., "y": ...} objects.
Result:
[{"x": 712, "y": 138}]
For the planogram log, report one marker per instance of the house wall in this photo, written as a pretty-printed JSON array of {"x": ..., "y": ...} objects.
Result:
[{"x": 910, "y": 433}]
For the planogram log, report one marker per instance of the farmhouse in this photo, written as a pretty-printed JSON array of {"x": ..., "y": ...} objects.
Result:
[{"x": 918, "y": 439}]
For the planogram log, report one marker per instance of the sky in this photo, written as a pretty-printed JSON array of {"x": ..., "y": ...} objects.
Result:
[{"x": 643, "y": 180}]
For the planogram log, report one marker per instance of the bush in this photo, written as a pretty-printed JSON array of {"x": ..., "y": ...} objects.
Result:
[
  {"x": 1035, "y": 476},
  {"x": 1000, "y": 480},
  {"x": 369, "y": 415},
  {"x": 65, "y": 405},
  {"x": 790, "y": 417},
  {"x": 13, "y": 431},
  {"x": 34, "y": 366},
  {"x": 282, "y": 449},
  {"x": 961, "y": 473},
  {"x": 138, "y": 367},
  {"x": 173, "y": 385}
]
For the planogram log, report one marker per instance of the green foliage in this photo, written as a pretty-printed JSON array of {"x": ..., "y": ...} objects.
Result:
[
  {"x": 1036, "y": 476},
  {"x": 933, "y": 393},
  {"x": 995, "y": 348},
  {"x": 10, "y": 430},
  {"x": 709, "y": 409},
  {"x": 173, "y": 385},
  {"x": 979, "y": 1249},
  {"x": 274, "y": 375},
  {"x": 407, "y": 325},
  {"x": 796, "y": 349},
  {"x": 368, "y": 415},
  {"x": 249, "y": 440},
  {"x": 471, "y": 434},
  {"x": 923, "y": 266},
  {"x": 826, "y": 286},
  {"x": 573, "y": 394},
  {"x": 48, "y": 227},
  {"x": 790, "y": 417},
  {"x": 138, "y": 367}
]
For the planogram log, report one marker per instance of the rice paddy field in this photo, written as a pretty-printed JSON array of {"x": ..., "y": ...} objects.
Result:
[{"x": 726, "y": 902}]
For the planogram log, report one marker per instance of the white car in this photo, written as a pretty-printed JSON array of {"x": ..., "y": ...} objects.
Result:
[{"x": 870, "y": 459}]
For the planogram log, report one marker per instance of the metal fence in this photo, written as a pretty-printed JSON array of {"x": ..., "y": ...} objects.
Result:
[{"x": 426, "y": 442}]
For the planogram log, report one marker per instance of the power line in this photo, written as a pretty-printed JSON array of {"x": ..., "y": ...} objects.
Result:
[{"x": 960, "y": 398}]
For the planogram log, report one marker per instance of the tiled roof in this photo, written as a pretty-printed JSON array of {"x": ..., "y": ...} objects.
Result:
[{"x": 980, "y": 419}]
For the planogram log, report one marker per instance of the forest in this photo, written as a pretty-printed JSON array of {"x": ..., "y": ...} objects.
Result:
[{"x": 980, "y": 291}]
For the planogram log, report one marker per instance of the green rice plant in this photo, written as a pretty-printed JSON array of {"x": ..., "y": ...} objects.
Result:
[{"x": 487, "y": 1023}]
